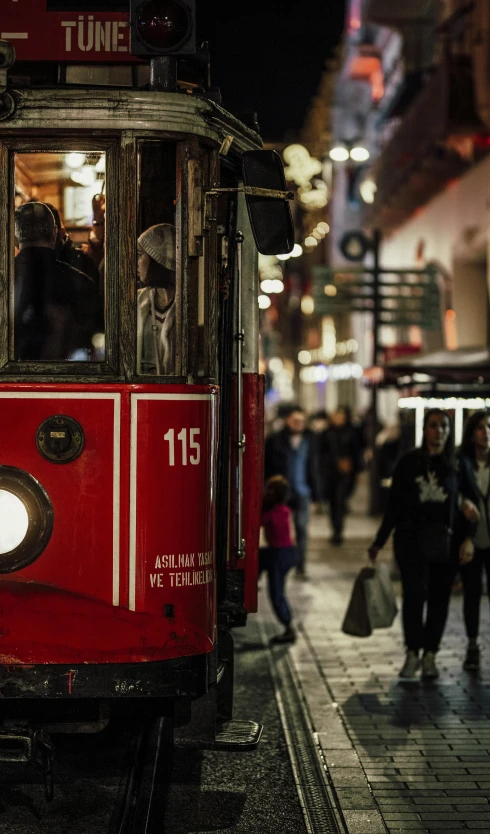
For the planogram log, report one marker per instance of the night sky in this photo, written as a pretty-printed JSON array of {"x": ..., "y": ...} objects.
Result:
[{"x": 269, "y": 57}]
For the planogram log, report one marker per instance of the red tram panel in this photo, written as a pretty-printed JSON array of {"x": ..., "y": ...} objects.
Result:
[
  {"x": 253, "y": 481},
  {"x": 173, "y": 485},
  {"x": 101, "y": 591}
]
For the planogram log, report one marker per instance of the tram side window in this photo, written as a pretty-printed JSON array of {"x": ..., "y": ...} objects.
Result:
[
  {"x": 59, "y": 265},
  {"x": 156, "y": 246}
]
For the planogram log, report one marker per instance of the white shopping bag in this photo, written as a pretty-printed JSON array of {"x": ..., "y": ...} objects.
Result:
[{"x": 380, "y": 598}]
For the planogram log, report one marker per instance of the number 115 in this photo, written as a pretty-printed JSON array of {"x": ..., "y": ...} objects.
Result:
[{"x": 194, "y": 446}]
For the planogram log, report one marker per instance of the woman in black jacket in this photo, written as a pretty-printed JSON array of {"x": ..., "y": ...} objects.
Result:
[
  {"x": 422, "y": 509},
  {"x": 474, "y": 457}
]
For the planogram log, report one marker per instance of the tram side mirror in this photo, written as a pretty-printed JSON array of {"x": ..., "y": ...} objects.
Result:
[{"x": 270, "y": 216}]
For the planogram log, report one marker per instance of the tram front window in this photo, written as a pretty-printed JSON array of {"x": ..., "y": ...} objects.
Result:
[
  {"x": 157, "y": 291},
  {"x": 58, "y": 292}
]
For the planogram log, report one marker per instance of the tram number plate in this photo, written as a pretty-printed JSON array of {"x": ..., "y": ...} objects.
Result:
[{"x": 194, "y": 456}]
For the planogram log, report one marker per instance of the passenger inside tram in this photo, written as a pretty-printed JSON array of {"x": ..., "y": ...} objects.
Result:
[
  {"x": 156, "y": 300},
  {"x": 57, "y": 309},
  {"x": 66, "y": 251},
  {"x": 54, "y": 322},
  {"x": 156, "y": 334}
]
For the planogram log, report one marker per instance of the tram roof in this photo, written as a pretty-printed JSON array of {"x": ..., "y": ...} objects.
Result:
[{"x": 86, "y": 110}]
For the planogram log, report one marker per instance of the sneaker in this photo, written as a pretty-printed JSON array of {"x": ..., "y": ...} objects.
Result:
[
  {"x": 472, "y": 659},
  {"x": 429, "y": 668},
  {"x": 337, "y": 538},
  {"x": 409, "y": 670},
  {"x": 288, "y": 636}
]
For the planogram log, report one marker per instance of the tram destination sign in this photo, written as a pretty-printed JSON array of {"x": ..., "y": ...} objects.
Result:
[{"x": 70, "y": 31}]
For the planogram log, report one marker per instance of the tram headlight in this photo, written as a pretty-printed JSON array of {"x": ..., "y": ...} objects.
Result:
[
  {"x": 162, "y": 27},
  {"x": 26, "y": 519},
  {"x": 14, "y": 521}
]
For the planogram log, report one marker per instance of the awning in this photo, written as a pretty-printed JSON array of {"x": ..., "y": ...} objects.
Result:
[
  {"x": 464, "y": 366},
  {"x": 443, "y": 359},
  {"x": 389, "y": 13}
]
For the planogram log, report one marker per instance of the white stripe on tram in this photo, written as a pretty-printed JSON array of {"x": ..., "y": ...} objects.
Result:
[
  {"x": 132, "y": 504},
  {"x": 116, "y": 502}
]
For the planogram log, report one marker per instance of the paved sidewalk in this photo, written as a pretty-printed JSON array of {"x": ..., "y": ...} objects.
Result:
[{"x": 401, "y": 757}]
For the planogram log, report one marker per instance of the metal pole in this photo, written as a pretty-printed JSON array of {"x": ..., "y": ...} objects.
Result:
[
  {"x": 375, "y": 504},
  {"x": 376, "y": 299},
  {"x": 240, "y": 443},
  {"x": 163, "y": 73}
]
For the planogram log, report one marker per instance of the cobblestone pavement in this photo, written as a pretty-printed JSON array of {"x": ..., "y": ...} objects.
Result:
[{"x": 401, "y": 757}]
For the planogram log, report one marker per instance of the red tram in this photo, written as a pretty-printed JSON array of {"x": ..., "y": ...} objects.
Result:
[{"x": 130, "y": 459}]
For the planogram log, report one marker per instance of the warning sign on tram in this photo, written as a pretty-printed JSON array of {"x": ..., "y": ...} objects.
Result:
[{"x": 47, "y": 30}]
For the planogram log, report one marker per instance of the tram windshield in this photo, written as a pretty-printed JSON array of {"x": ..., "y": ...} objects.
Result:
[{"x": 59, "y": 267}]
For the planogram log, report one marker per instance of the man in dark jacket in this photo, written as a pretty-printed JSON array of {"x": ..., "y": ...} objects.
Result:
[
  {"x": 340, "y": 452},
  {"x": 67, "y": 253},
  {"x": 57, "y": 309},
  {"x": 291, "y": 453}
]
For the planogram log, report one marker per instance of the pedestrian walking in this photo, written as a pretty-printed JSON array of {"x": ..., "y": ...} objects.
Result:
[
  {"x": 292, "y": 453},
  {"x": 317, "y": 423},
  {"x": 280, "y": 555},
  {"x": 422, "y": 510},
  {"x": 474, "y": 459},
  {"x": 340, "y": 456}
]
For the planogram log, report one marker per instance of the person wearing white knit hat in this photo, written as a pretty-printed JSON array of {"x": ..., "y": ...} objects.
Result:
[{"x": 156, "y": 300}]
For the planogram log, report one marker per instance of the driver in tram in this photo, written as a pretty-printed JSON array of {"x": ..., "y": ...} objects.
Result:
[
  {"x": 57, "y": 309},
  {"x": 156, "y": 300}
]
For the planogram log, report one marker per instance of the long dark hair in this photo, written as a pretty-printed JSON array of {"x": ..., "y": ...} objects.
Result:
[
  {"x": 447, "y": 454},
  {"x": 467, "y": 445}
]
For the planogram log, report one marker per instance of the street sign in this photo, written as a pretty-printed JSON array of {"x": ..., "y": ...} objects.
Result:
[
  {"x": 403, "y": 297},
  {"x": 40, "y": 30}
]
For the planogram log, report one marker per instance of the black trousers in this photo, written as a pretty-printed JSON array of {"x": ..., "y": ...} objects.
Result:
[
  {"x": 277, "y": 561},
  {"x": 337, "y": 492},
  {"x": 425, "y": 586},
  {"x": 472, "y": 578}
]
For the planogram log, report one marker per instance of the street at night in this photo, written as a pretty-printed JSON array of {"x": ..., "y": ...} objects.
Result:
[{"x": 245, "y": 417}]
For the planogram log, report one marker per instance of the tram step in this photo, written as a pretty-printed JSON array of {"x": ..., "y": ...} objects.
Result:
[{"x": 237, "y": 735}]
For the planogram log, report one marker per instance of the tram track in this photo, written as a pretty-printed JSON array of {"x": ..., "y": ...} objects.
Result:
[
  {"x": 143, "y": 803},
  {"x": 118, "y": 781},
  {"x": 115, "y": 783}
]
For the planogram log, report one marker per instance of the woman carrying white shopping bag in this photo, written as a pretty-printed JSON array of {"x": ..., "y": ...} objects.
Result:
[{"x": 422, "y": 510}]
